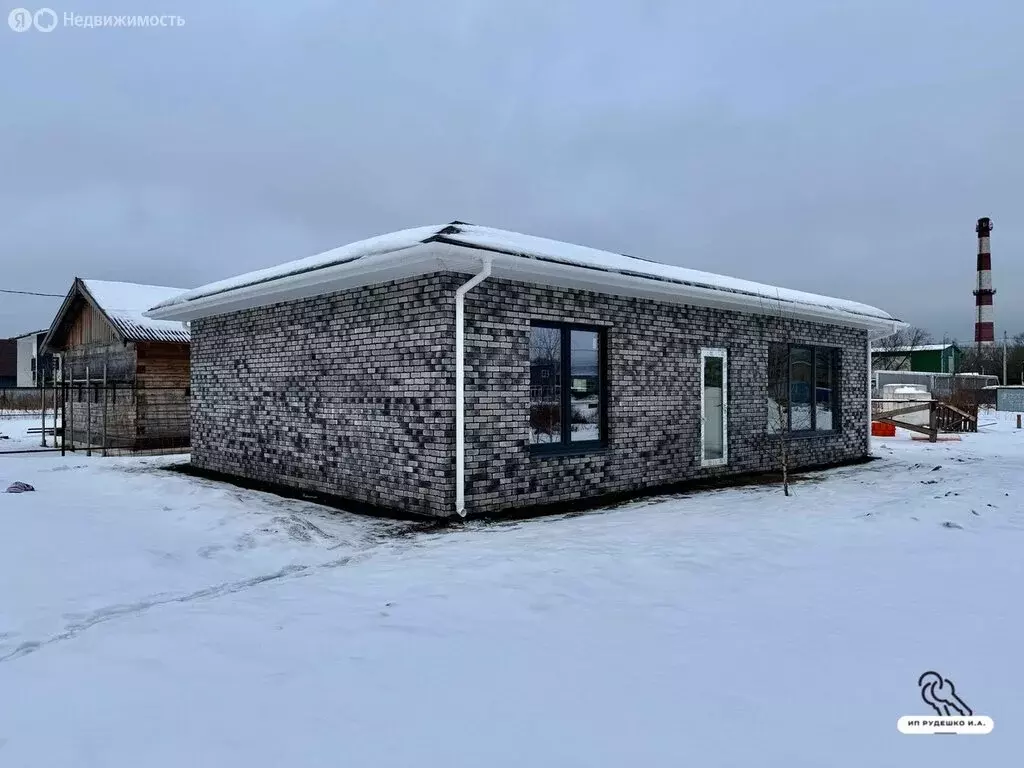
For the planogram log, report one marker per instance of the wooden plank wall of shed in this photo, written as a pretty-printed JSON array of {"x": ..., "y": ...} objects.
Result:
[
  {"x": 89, "y": 327},
  {"x": 93, "y": 346},
  {"x": 162, "y": 377}
]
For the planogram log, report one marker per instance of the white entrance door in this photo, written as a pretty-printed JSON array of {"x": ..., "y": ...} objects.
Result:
[{"x": 714, "y": 408}]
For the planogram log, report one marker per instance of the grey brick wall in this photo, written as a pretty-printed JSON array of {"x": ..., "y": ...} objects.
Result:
[
  {"x": 353, "y": 394},
  {"x": 654, "y": 409},
  {"x": 348, "y": 394}
]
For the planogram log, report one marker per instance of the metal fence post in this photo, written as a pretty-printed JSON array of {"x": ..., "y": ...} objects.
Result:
[
  {"x": 104, "y": 438},
  {"x": 69, "y": 427},
  {"x": 53, "y": 381},
  {"x": 42, "y": 409},
  {"x": 63, "y": 417}
]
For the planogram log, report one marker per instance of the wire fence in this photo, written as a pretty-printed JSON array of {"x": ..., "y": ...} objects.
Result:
[
  {"x": 960, "y": 387},
  {"x": 94, "y": 418}
]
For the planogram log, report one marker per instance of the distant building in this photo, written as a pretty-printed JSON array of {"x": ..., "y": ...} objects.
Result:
[
  {"x": 924, "y": 358},
  {"x": 1008, "y": 397},
  {"x": 8, "y": 362},
  {"x": 135, "y": 370},
  {"x": 34, "y": 368}
]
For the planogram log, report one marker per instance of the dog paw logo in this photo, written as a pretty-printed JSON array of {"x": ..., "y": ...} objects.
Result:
[{"x": 940, "y": 694}]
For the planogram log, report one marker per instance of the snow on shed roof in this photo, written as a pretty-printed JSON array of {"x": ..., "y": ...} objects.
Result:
[
  {"x": 918, "y": 348},
  {"x": 125, "y": 303},
  {"x": 528, "y": 250}
]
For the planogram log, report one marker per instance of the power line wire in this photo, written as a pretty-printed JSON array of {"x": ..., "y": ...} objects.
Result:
[{"x": 33, "y": 293}]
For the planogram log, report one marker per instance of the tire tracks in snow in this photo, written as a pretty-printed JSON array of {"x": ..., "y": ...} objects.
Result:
[{"x": 129, "y": 610}]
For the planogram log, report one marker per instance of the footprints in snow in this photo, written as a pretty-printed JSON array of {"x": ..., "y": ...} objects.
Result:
[{"x": 81, "y": 622}]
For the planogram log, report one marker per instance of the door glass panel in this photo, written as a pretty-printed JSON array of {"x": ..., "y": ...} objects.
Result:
[{"x": 714, "y": 412}]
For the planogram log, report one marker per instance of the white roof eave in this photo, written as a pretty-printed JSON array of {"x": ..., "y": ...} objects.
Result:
[
  {"x": 422, "y": 259},
  {"x": 369, "y": 270},
  {"x": 564, "y": 275}
]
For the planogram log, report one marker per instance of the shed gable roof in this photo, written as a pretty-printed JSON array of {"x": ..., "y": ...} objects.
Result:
[{"x": 123, "y": 306}]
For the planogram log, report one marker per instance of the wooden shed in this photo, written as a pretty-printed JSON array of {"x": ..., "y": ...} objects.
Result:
[{"x": 127, "y": 375}]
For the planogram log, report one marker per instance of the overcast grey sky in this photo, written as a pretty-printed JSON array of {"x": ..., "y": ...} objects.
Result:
[{"x": 844, "y": 148}]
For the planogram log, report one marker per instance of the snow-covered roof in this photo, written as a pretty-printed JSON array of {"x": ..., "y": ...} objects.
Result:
[
  {"x": 918, "y": 348},
  {"x": 124, "y": 304},
  {"x": 30, "y": 334},
  {"x": 906, "y": 389},
  {"x": 459, "y": 247},
  {"x": 395, "y": 241}
]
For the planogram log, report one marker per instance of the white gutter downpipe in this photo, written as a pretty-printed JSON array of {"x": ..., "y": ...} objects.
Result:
[
  {"x": 871, "y": 374},
  {"x": 460, "y": 385}
]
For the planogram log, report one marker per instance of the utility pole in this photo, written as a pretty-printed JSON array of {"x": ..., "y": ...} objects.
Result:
[{"x": 1004, "y": 358}]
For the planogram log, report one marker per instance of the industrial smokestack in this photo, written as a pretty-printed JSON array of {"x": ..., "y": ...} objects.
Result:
[{"x": 984, "y": 328}]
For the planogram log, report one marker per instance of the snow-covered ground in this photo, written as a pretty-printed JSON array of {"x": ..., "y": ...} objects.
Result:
[
  {"x": 152, "y": 619},
  {"x": 14, "y": 434}
]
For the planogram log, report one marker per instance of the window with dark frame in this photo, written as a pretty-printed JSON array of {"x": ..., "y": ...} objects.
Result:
[
  {"x": 567, "y": 387},
  {"x": 803, "y": 391}
]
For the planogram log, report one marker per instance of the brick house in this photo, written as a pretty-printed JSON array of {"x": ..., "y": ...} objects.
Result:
[
  {"x": 452, "y": 369},
  {"x": 123, "y": 370}
]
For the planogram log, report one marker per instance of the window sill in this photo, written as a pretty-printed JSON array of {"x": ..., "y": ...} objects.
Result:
[
  {"x": 560, "y": 451},
  {"x": 806, "y": 434},
  {"x": 712, "y": 463}
]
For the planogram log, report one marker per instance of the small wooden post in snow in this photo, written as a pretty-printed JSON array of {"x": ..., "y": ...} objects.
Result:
[
  {"x": 69, "y": 429},
  {"x": 104, "y": 444},
  {"x": 933, "y": 421},
  {"x": 63, "y": 410},
  {"x": 88, "y": 414}
]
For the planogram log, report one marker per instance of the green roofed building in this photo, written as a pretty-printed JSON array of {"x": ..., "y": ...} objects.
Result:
[{"x": 926, "y": 358}]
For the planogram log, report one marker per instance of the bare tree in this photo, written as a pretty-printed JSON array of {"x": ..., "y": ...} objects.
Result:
[
  {"x": 988, "y": 359},
  {"x": 894, "y": 351},
  {"x": 1015, "y": 359},
  {"x": 779, "y": 427},
  {"x": 778, "y": 432}
]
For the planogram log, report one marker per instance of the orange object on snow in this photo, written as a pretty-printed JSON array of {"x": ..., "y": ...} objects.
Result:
[{"x": 882, "y": 429}]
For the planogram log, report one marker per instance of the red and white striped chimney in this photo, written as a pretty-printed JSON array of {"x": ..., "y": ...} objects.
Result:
[{"x": 984, "y": 328}]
